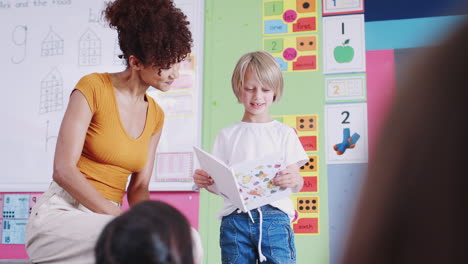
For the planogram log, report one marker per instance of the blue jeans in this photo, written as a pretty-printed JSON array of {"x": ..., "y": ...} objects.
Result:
[{"x": 239, "y": 237}]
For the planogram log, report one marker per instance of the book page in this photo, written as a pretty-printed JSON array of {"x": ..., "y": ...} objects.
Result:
[
  {"x": 255, "y": 181},
  {"x": 222, "y": 175}
]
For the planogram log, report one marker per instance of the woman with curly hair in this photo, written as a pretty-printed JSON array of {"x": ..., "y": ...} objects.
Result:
[{"x": 110, "y": 131}]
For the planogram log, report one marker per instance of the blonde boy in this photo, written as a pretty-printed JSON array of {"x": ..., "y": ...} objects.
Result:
[{"x": 257, "y": 82}]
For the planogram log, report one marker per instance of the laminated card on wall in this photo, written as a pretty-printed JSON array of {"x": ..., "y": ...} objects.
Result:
[{"x": 247, "y": 185}]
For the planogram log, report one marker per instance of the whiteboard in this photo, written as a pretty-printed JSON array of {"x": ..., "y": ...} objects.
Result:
[{"x": 46, "y": 46}]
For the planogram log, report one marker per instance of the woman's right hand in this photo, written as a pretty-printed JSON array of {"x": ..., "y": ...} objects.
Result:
[{"x": 202, "y": 179}]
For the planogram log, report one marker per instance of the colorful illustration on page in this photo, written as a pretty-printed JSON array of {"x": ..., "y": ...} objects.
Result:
[{"x": 257, "y": 183}]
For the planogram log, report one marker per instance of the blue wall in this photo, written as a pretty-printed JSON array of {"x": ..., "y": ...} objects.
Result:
[
  {"x": 401, "y": 25},
  {"x": 378, "y": 10}
]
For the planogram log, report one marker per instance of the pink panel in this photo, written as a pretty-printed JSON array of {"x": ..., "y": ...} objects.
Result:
[
  {"x": 13, "y": 252},
  {"x": 380, "y": 71},
  {"x": 186, "y": 202}
]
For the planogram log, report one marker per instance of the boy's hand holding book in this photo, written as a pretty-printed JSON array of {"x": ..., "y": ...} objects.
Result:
[
  {"x": 289, "y": 178},
  {"x": 247, "y": 185},
  {"x": 202, "y": 179}
]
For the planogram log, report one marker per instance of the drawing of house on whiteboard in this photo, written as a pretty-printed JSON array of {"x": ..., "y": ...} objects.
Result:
[
  {"x": 89, "y": 49},
  {"x": 51, "y": 92},
  {"x": 52, "y": 45}
]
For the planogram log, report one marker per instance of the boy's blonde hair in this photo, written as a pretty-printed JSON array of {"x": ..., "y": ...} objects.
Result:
[{"x": 265, "y": 67}]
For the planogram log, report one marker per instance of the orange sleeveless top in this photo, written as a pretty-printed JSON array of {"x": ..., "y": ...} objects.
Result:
[{"x": 109, "y": 154}]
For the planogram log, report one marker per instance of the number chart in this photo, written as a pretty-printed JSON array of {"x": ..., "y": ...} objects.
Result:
[
  {"x": 345, "y": 88},
  {"x": 15, "y": 209},
  {"x": 289, "y": 16},
  {"x": 306, "y": 201},
  {"x": 307, "y": 211},
  {"x": 293, "y": 53}
]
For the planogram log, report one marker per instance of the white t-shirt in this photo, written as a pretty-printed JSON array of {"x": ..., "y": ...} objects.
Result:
[{"x": 244, "y": 141}]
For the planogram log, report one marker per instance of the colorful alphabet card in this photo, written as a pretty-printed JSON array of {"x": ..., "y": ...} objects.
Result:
[
  {"x": 293, "y": 53},
  {"x": 341, "y": 7},
  {"x": 289, "y": 16},
  {"x": 344, "y": 44}
]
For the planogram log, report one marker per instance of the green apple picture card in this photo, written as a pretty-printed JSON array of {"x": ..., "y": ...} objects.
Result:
[
  {"x": 346, "y": 133},
  {"x": 344, "y": 44}
]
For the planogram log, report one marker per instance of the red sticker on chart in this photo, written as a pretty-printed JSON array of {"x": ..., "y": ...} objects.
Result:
[
  {"x": 310, "y": 184},
  {"x": 305, "y": 63},
  {"x": 290, "y": 16},
  {"x": 306, "y": 226},
  {"x": 289, "y": 54},
  {"x": 305, "y": 24}
]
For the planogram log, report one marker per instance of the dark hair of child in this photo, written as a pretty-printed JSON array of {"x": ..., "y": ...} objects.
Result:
[{"x": 151, "y": 232}]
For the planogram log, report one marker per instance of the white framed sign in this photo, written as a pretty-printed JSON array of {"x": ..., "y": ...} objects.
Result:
[
  {"x": 346, "y": 133},
  {"x": 345, "y": 88},
  {"x": 344, "y": 49},
  {"x": 340, "y": 7}
]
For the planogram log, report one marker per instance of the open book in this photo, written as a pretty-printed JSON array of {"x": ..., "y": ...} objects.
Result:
[{"x": 247, "y": 185}]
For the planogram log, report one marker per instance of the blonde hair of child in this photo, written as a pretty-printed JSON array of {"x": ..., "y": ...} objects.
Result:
[{"x": 265, "y": 67}]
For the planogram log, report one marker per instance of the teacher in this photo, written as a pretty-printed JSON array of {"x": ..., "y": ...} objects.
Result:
[{"x": 109, "y": 134}]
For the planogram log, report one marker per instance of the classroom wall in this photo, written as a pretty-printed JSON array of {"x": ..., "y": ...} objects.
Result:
[
  {"x": 233, "y": 28},
  {"x": 46, "y": 46}
]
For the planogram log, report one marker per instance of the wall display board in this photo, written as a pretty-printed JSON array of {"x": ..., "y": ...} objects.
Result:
[
  {"x": 345, "y": 65},
  {"x": 227, "y": 38},
  {"x": 306, "y": 201},
  {"x": 46, "y": 47},
  {"x": 293, "y": 53},
  {"x": 346, "y": 132},
  {"x": 289, "y": 16},
  {"x": 289, "y": 31},
  {"x": 15, "y": 210}
]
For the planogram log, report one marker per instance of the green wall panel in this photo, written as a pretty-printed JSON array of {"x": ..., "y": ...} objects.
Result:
[{"x": 233, "y": 28}]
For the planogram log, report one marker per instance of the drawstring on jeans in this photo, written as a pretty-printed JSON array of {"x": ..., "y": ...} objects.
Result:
[{"x": 260, "y": 254}]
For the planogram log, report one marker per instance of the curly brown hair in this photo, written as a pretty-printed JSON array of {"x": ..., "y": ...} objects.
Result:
[{"x": 154, "y": 31}]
